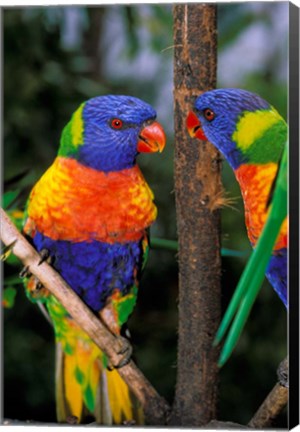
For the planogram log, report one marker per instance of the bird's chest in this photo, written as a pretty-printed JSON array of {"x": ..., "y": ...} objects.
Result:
[
  {"x": 76, "y": 203},
  {"x": 255, "y": 182}
]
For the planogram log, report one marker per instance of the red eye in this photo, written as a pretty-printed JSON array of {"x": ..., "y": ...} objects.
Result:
[
  {"x": 116, "y": 123},
  {"x": 209, "y": 114}
]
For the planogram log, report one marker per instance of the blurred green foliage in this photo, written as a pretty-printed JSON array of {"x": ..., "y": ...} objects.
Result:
[{"x": 44, "y": 82}]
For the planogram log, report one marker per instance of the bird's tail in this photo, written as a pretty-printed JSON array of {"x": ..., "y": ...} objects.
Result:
[{"x": 84, "y": 386}]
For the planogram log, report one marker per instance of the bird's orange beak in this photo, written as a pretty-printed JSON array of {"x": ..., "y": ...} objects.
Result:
[
  {"x": 152, "y": 139},
  {"x": 193, "y": 125}
]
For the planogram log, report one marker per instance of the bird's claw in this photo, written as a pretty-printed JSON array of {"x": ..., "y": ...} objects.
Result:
[
  {"x": 283, "y": 373},
  {"x": 5, "y": 252},
  {"x": 45, "y": 256},
  {"x": 39, "y": 286},
  {"x": 24, "y": 272},
  {"x": 125, "y": 350}
]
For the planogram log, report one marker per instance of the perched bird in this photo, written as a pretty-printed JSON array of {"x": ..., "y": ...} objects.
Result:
[
  {"x": 251, "y": 135},
  {"x": 89, "y": 214}
]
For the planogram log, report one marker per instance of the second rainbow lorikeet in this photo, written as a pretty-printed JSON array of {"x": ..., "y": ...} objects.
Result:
[
  {"x": 89, "y": 213},
  {"x": 251, "y": 135}
]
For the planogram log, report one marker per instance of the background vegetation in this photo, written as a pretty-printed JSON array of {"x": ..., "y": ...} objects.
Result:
[{"x": 56, "y": 57}]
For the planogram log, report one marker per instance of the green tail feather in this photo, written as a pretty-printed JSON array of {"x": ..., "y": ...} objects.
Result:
[
  {"x": 62, "y": 410},
  {"x": 83, "y": 384}
]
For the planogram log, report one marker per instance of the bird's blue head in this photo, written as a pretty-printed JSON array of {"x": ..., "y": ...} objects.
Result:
[
  {"x": 107, "y": 132},
  {"x": 233, "y": 120}
]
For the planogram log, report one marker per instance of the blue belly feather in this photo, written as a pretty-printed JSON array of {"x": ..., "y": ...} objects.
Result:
[
  {"x": 277, "y": 273},
  {"x": 94, "y": 269}
]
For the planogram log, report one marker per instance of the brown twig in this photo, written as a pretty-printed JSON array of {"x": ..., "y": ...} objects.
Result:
[
  {"x": 274, "y": 403},
  {"x": 270, "y": 408},
  {"x": 155, "y": 407}
]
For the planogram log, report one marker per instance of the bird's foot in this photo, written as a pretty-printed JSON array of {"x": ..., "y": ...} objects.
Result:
[
  {"x": 35, "y": 289},
  {"x": 25, "y": 272},
  {"x": 45, "y": 256},
  {"x": 109, "y": 318},
  {"x": 283, "y": 373},
  {"x": 124, "y": 351}
]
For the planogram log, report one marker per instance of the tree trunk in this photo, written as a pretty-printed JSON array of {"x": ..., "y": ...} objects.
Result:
[{"x": 198, "y": 191}]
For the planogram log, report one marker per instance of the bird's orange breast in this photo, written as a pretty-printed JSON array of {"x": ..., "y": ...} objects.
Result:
[
  {"x": 255, "y": 182},
  {"x": 77, "y": 203}
]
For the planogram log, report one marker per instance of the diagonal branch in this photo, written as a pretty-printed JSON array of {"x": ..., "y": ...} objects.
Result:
[
  {"x": 155, "y": 407},
  {"x": 274, "y": 403}
]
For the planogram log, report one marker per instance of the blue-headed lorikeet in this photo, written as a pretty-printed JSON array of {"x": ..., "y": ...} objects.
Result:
[
  {"x": 251, "y": 135},
  {"x": 90, "y": 212}
]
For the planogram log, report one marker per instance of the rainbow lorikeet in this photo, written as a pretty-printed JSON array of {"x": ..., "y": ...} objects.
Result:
[
  {"x": 89, "y": 214},
  {"x": 252, "y": 136}
]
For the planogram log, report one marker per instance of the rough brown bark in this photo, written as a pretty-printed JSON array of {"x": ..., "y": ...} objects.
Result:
[
  {"x": 155, "y": 407},
  {"x": 198, "y": 189}
]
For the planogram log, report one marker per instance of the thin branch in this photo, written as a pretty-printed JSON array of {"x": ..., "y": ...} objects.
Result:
[
  {"x": 155, "y": 407},
  {"x": 271, "y": 407},
  {"x": 274, "y": 403}
]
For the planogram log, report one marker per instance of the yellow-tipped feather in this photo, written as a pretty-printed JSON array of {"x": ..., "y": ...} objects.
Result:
[
  {"x": 118, "y": 392},
  {"x": 83, "y": 382},
  {"x": 73, "y": 391}
]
